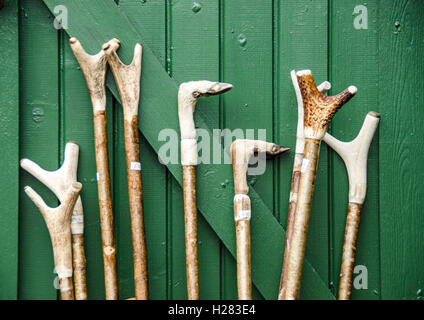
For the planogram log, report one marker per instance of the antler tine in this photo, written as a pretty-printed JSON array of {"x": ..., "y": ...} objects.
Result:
[{"x": 38, "y": 201}]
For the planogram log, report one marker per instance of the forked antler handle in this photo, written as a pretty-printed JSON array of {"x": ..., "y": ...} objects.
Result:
[
  {"x": 94, "y": 70},
  {"x": 297, "y": 165},
  {"x": 241, "y": 151},
  {"x": 58, "y": 182},
  {"x": 58, "y": 221},
  {"x": 319, "y": 109},
  {"x": 354, "y": 155},
  {"x": 127, "y": 79}
]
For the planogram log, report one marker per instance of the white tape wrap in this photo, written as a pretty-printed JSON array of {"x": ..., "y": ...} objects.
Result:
[
  {"x": 97, "y": 176},
  {"x": 242, "y": 215},
  {"x": 189, "y": 152},
  {"x": 77, "y": 224},
  {"x": 305, "y": 164},
  {"x": 241, "y": 196},
  {"x": 135, "y": 166},
  {"x": 63, "y": 272}
]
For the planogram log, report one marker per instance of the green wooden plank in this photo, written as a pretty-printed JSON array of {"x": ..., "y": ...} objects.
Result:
[
  {"x": 302, "y": 39},
  {"x": 401, "y": 49},
  {"x": 9, "y": 140},
  {"x": 159, "y": 93},
  {"x": 150, "y": 17},
  {"x": 247, "y": 57},
  {"x": 197, "y": 59},
  {"x": 361, "y": 71},
  {"x": 39, "y": 142}
]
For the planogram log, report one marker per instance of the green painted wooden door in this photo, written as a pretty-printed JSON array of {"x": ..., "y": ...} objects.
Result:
[{"x": 253, "y": 45}]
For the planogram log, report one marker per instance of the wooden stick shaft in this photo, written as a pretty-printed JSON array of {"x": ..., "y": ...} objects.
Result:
[
  {"x": 244, "y": 282},
  {"x": 290, "y": 220},
  {"x": 190, "y": 216},
  {"x": 296, "y": 252},
  {"x": 66, "y": 289},
  {"x": 105, "y": 205},
  {"x": 135, "y": 191},
  {"x": 78, "y": 261},
  {"x": 242, "y": 215},
  {"x": 349, "y": 250}
]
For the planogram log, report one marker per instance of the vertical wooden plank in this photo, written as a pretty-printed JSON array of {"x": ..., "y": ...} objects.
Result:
[
  {"x": 9, "y": 140},
  {"x": 247, "y": 57},
  {"x": 149, "y": 19},
  {"x": 401, "y": 96},
  {"x": 196, "y": 59},
  {"x": 355, "y": 62},
  {"x": 39, "y": 142},
  {"x": 302, "y": 44}
]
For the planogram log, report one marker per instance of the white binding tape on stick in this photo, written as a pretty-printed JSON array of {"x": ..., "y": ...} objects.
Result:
[
  {"x": 135, "y": 166},
  {"x": 189, "y": 152},
  {"x": 242, "y": 215},
  {"x": 77, "y": 224}
]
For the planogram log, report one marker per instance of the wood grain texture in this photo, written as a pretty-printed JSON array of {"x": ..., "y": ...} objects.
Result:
[
  {"x": 401, "y": 97},
  {"x": 362, "y": 52},
  {"x": 9, "y": 140},
  {"x": 39, "y": 134}
]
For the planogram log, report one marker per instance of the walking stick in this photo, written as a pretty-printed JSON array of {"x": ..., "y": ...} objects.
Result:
[
  {"x": 58, "y": 221},
  {"x": 58, "y": 182},
  {"x": 241, "y": 151},
  {"x": 354, "y": 155},
  {"x": 318, "y": 112},
  {"x": 127, "y": 79},
  {"x": 188, "y": 94},
  {"x": 94, "y": 70},
  {"x": 300, "y": 145}
]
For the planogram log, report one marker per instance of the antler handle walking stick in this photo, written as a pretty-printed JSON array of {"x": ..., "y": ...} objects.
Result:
[
  {"x": 94, "y": 69},
  {"x": 318, "y": 112},
  {"x": 188, "y": 94},
  {"x": 298, "y": 158},
  {"x": 241, "y": 151},
  {"x": 58, "y": 221},
  {"x": 58, "y": 182},
  {"x": 354, "y": 155},
  {"x": 127, "y": 79}
]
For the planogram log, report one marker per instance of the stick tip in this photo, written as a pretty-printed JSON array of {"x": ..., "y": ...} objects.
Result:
[
  {"x": 352, "y": 89},
  {"x": 73, "y": 40},
  {"x": 374, "y": 114},
  {"x": 76, "y": 186}
]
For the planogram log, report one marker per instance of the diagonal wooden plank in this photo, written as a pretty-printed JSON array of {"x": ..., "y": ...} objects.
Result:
[
  {"x": 158, "y": 111},
  {"x": 9, "y": 140}
]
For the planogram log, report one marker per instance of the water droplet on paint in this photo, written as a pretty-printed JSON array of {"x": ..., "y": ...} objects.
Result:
[
  {"x": 143, "y": 1},
  {"x": 196, "y": 7}
]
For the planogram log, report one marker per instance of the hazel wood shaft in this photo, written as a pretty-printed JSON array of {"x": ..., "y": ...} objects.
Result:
[
  {"x": 105, "y": 206},
  {"x": 66, "y": 288},
  {"x": 127, "y": 79},
  {"x": 135, "y": 192},
  {"x": 190, "y": 222},
  {"x": 290, "y": 218},
  {"x": 242, "y": 210},
  {"x": 94, "y": 69},
  {"x": 349, "y": 250},
  {"x": 79, "y": 263},
  {"x": 58, "y": 221},
  {"x": 296, "y": 252}
]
